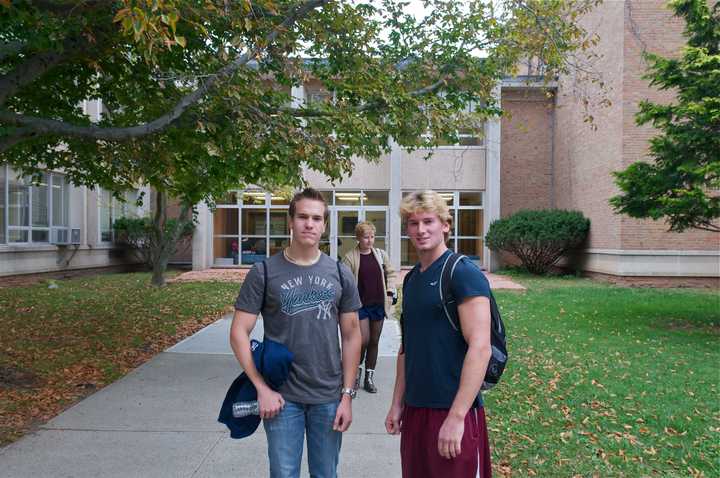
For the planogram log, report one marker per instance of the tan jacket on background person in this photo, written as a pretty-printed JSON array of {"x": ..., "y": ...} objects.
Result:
[{"x": 352, "y": 259}]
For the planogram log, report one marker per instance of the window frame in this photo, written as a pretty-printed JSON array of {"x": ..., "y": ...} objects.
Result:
[
  {"x": 51, "y": 177},
  {"x": 268, "y": 207},
  {"x": 455, "y": 207},
  {"x": 469, "y": 108},
  {"x": 112, "y": 208}
]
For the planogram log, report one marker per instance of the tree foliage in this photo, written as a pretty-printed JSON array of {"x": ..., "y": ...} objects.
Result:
[
  {"x": 681, "y": 182},
  {"x": 538, "y": 238},
  {"x": 197, "y": 93}
]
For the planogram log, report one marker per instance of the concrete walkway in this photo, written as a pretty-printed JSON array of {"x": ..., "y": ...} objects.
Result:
[
  {"x": 160, "y": 421},
  {"x": 237, "y": 274}
]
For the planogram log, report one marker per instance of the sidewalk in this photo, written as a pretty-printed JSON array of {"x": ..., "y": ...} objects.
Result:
[
  {"x": 161, "y": 421},
  {"x": 237, "y": 274}
]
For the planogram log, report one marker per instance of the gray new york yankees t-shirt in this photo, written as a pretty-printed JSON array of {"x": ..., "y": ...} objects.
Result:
[{"x": 302, "y": 310}]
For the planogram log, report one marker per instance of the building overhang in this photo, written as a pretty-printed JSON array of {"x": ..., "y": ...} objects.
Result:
[{"x": 528, "y": 82}]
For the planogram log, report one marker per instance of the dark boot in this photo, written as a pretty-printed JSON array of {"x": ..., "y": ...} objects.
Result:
[
  {"x": 369, "y": 382},
  {"x": 358, "y": 377}
]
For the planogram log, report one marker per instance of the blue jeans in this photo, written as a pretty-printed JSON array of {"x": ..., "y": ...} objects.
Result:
[{"x": 286, "y": 433}]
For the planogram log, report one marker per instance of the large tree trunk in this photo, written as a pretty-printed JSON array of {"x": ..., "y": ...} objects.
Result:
[
  {"x": 160, "y": 263},
  {"x": 158, "y": 273}
]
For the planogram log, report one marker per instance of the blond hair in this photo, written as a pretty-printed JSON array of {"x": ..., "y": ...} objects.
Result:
[
  {"x": 426, "y": 201},
  {"x": 364, "y": 227}
]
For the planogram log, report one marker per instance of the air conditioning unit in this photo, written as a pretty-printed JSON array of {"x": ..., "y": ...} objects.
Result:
[
  {"x": 74, "y": 236},
  {"x": 59, "y": 236}
]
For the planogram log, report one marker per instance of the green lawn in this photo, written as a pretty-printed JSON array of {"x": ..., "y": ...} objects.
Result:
[
  {"x": 58, "y": 345},
  {"x": 607, "y": 381},
  {"x": 602, "y": 381}
]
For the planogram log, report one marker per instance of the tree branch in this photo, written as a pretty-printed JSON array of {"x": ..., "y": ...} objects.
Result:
[
  {"x": 707, "y": 226},
  {"x": 42, "y": 125},
  {"x": 19, "y": 135},
  {"x": 305, "y": 112},
  {"x": 27, "y": 72},
  {"x": 54, "y": 6}
]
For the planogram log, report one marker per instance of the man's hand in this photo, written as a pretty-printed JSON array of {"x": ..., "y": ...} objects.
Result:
[
  {"x": 393, "y": 423},
  {"x": 270, "y": 403},
  {"x": 450, "y": 437},
  {"x": 343, "y": 416}
]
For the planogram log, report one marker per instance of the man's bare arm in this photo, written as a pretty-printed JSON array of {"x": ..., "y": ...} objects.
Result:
[
  {"x": 393, "y": 423},
  {"x": 351, "y": 344},
  {"x": 350, "y": 334},
  {"x": 474, "y": 315}
]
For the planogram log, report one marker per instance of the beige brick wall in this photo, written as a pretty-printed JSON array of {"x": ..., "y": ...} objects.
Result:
[
  {"x": 585, "y": 157},
  {"x": 526, "y": 151},
  {"x": 649, "y": 25}
]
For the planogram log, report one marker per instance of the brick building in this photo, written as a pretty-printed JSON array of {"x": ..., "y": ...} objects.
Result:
[{"x": 541, "y": 155}]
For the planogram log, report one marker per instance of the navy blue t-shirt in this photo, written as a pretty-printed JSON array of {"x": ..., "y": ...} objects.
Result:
[{"x": 434, "y": 351}]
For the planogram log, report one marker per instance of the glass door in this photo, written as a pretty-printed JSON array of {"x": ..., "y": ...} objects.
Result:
[
  {"x": 345, "y": 220},
  {"x": 342, "y": 228},
  {"x": 378, "y": 218}
]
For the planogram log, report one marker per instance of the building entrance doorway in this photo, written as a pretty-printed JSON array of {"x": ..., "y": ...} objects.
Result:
[{"x": 340, "y": 238}]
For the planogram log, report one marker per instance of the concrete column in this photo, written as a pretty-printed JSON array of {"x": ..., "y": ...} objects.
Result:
[
  {"x": 202, "y": 239},
  {"x": 491, "y": 206},
  {"x": 395, "y": 197},
  {"x": 297, "y": 94},
  {"x": 84, "y": 221}
]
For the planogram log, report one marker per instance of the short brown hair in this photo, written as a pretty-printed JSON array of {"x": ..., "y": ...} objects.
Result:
[
  {"x": 308, "y": 193},
  {"x": 426, "y": 201},
  {"x": 363, "y": 227}
]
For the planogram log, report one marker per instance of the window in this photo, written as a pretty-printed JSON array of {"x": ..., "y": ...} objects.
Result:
[
  {"x": 318, "y": 96},
  {"x": 60, "y": 201},
  {"x": 18, "y": 208},
  {"x": 256, "y": 224},
  {"x": 110, "y": 209},
  {"x": 40, "y": 210},
  {"x": 466, "y": 234},
  {"x": 30, "y": 210},
  {"x": 351, "y": 207},
  {"x": 248, "y": 226},
  {"x": 471, "y": 135}
]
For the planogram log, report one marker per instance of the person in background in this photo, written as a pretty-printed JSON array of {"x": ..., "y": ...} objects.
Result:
[{"x": 375, "y": 278}]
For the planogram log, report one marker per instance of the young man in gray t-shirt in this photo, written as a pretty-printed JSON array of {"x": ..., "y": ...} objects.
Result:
[{"x": 307, "y": 296}]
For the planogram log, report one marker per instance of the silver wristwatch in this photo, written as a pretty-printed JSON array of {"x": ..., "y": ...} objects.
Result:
[{"x": 349, "y": 391}]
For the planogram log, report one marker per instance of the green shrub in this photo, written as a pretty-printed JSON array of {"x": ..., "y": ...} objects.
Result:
[
  {"x": 538, "y": 238},
  {"x": 147, "y": 241}
]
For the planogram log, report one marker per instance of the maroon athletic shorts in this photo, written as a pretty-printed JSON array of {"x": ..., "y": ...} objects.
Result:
[{"x": 419, "y": 445}]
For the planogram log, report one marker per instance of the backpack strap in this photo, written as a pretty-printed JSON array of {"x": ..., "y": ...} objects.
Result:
[
  {"x": 402, "y": 322},
  {"x": 449, "y": 304}
]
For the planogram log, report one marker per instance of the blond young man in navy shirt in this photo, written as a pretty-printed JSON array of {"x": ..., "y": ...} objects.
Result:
[{"x": 436, "y": 406}]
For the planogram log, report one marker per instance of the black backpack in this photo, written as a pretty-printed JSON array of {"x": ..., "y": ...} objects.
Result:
[{"x": 499, "y": 356}]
